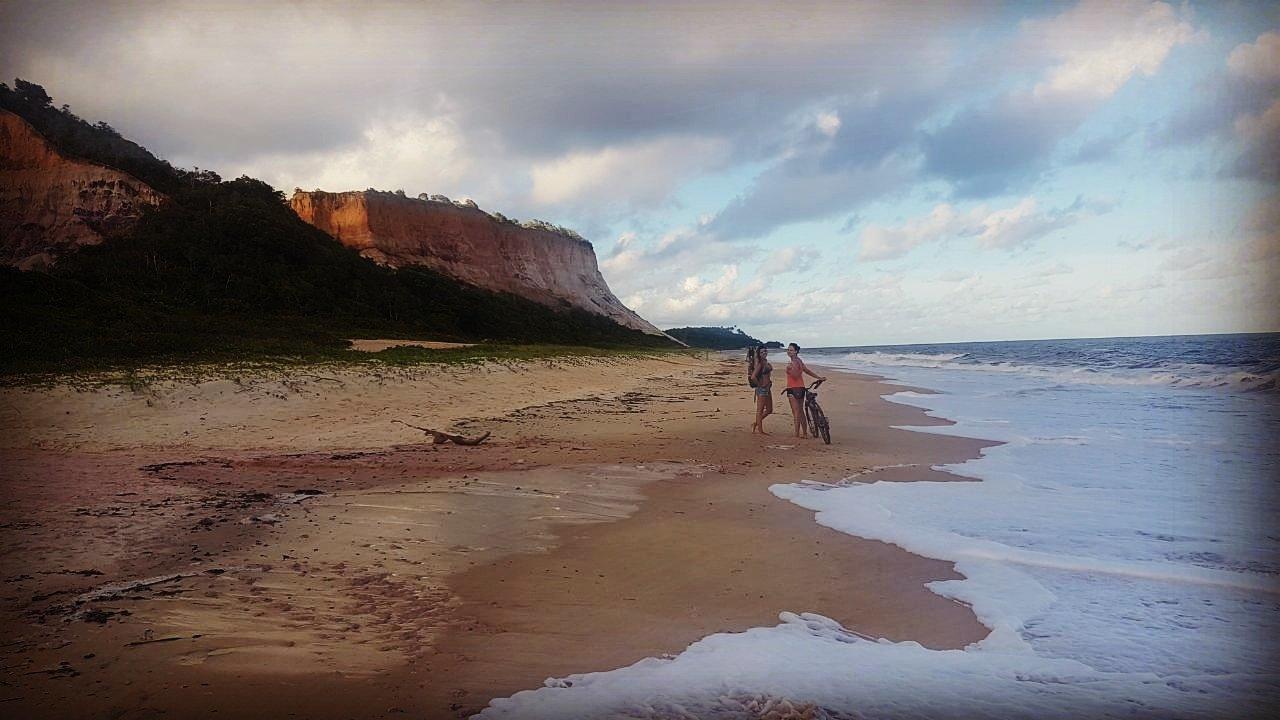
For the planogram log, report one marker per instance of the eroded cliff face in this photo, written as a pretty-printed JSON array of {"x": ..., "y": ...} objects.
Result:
[
  {"x": 51, "y": 204},
  {"x": 538, "y": 263}
]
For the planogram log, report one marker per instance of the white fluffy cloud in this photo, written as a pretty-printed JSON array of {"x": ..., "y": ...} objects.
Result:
[
  {"x": 414, "y": 153},
  {"x": 637, "y": 174},
  {"x": 1098, "y": 45},
  {"x": 1258, "y": 61},
  {"x": 791, "y": 259},
  {"x": 1004, "y": 228},
  {"x": 697, "y": 299},
  {"x": 828, "y": 123},
  {"x": 1089, "y": 52}
]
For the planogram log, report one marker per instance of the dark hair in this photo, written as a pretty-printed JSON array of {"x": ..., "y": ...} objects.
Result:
[{"x": 797, "y": 347}]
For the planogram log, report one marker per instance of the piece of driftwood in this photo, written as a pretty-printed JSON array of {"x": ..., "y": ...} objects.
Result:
[{"x": 440, "y": 437}]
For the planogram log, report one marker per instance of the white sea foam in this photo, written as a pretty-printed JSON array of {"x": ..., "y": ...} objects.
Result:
[
  {"x": 1186, "y": 375},
  {"x": 810, "y": 659},
  {"x": 902, "y": 359},
  {"x": 1118, "y": 545}
]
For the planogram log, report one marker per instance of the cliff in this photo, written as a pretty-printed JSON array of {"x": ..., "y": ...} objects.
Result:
[
  {"x": 536, "y": 261},
  {"x": 51, "y": 204}
]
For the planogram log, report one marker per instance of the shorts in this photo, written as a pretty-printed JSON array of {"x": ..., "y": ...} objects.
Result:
[
  {"x": 762, "y": 392},
  {"x": 797, "y": 393}
]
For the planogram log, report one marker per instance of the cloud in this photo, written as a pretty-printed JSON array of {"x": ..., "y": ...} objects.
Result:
[
  {"x": 1259, "y": 141},
  {"x": 415, "y": 153},
  {"x": 1098, "y": 45},
  {"x": 1058, "y": 268},
  {"x": 695, "y": 299},
  {"x": 1006, "y": 228},
  {"x": 1239, "y": 109},
  {"x": 1185, "y": 259},
  {"x": 544, "y": 80},
  {"x": 837, "y": 161},
  {"x": 791, "y": 259},
  {"x": 636, "y": 263},
  {"x": 1257, "y": 62},
  {"x": 1102, "y": 147},
  {"x": 878, "y": 242},
  {"x": 1091, "y": 51},
  {"x": 828, "y": 123},
  {"x": 799, "y": 190},
  {"x": 638, "y": 174}
]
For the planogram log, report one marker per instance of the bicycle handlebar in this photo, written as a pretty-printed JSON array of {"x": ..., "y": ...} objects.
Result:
[{"x": 814, "y": 386}]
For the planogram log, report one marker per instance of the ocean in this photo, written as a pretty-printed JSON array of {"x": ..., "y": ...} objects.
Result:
[{"x": 1121, "y": 544}]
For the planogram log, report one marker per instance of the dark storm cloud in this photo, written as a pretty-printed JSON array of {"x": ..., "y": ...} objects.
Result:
[
  {"x": 984, "y": 151},
  {"x": 1213, "y": 110},
  {"x": 234, "y": 85},
  {"x": 230, "y": 81},
  {"x": 1101, "y": 148},
  {"x": 1237, "y": 108},
  {"x": 829, "y": 172}
]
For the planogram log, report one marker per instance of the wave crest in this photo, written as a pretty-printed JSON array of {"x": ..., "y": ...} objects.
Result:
[{"x": 1185, "y": 375}]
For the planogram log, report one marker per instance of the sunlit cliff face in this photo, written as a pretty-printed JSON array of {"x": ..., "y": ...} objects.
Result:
[
  {"x": 534, "y": 260},
  {"x": 51, "y": 204}
]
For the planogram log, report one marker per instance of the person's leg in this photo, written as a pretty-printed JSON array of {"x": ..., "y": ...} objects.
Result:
[
  {"x": 764, "y": 407},
  {"x": 797, "y": 413},
  {"x": 758, "y": 426}
]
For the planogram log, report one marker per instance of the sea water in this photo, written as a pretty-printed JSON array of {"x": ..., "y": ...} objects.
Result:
[{"x": 1120, "y": 543}]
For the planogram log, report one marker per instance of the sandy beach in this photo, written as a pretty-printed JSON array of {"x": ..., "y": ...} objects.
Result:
[{"x": 258, "y": 544}]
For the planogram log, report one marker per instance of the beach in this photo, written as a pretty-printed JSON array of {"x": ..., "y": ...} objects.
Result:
[{"x": 273, "y": 543}]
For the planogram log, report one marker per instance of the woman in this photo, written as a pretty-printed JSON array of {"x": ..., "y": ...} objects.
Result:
[
  {"x": 796, "y": 370},
  {"x": 761, "y": 373}
]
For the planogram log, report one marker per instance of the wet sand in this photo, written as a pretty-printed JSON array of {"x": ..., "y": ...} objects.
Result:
[{"x": 276, "y": 546}]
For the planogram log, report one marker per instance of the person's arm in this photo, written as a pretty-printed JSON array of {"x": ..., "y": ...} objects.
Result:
[{"x": 805, "y": 368}]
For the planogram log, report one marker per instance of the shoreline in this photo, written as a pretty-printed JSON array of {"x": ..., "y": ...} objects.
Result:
[{"x": 543, "y": 552}]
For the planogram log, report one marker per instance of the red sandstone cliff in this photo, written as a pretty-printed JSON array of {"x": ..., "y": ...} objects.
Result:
[
  {"x": 51, "y": 204},
  {"x": 535, "y": 261}
]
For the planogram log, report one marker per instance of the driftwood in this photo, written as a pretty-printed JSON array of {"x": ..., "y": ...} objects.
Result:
[{"x": 441, "y": 437}]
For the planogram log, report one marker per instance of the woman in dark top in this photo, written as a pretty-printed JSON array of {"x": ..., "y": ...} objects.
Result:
[{"x": 761, "y": 372}]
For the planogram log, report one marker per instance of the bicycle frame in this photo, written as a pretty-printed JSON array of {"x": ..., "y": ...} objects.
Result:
[{"x": 815, "y": 420}]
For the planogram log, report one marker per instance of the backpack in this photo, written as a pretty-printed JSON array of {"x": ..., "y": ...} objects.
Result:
[{"x": 751, "y": 379}]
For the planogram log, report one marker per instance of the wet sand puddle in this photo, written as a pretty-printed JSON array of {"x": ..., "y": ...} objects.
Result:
[{"x": 355, "y": 583}]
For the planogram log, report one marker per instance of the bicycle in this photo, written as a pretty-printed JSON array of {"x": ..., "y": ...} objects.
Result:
[
  {"x": 813, "y": 413},
  {"x": 815, "y": 420}
]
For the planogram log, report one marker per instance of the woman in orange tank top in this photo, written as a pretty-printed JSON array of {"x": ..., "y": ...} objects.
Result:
[{"x": 796, "y": 370}]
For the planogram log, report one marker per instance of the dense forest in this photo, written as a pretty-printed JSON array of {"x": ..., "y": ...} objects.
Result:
[
  {"x": 97, "y": 142},
  {"x": 716, "y": 338},
  {"x": 226, "y": 269}
]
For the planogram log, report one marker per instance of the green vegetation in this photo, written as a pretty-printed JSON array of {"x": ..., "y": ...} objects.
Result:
[
  {"x": 98, "y": 370},
  {"x": 226, "y": 271},
  {"x": 100, "y": 143},
  {"x": 715, "y": 338}
]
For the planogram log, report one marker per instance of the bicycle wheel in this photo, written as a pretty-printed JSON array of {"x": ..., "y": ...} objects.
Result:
[
  {"x": 823, "y": 427},
  {"x": 811, "y": 412}
]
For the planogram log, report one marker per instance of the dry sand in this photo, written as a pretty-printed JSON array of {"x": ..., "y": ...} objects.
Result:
[
  {"x": 276, "y": 546},
  {"x": 373, "y": 346}
]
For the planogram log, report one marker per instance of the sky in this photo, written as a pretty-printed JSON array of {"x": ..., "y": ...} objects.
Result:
[{"x": 822, "y": 173}]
